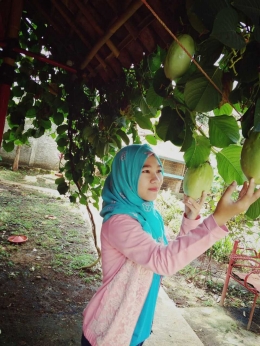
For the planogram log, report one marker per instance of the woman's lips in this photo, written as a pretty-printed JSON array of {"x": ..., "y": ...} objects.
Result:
[{"x": 155, "y": 189}]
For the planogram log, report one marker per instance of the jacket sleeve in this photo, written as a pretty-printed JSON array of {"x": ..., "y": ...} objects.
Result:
[
  {"x": 188, "y": 225},
  {"x": 126, "y": 236}
]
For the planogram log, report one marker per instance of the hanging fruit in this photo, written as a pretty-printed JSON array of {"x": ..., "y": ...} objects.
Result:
[
  {"x": 250, "y": 157},
  {"x": 177, "y": 60},
  {"x": 198, "y": 179}
]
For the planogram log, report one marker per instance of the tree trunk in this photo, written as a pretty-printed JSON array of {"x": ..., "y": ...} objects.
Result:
[{"x": 17, "y": 157}]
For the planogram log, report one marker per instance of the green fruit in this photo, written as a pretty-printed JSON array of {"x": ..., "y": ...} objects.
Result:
[
  {"x": 177, "y": 61},
  {"x": 250, "y": 157},
  {"x": 197, "y": 180}
]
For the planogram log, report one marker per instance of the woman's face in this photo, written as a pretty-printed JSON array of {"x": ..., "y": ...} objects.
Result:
[{"x": 150, "y": 180}]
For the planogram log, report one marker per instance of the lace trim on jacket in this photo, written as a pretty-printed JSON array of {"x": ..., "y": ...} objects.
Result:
[{"x": 125, "y": 295}]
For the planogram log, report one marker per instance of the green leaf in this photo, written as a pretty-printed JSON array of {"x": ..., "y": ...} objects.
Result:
[
  {"x": 155, "y": 60},
  {"x": 199, "y": 94},
  {"x": 250, "y": 7},
  {"x": 171, "y": 126},
  {"x": 17, "y": 91},
  {"x": 198, "y": 152},
  {"x": 103, "y": 168},
  {"x": 83, "y": 200},
  {"x": 161, "y": 83},
  {"x": 61, "y": 129},
  {"x": 59, "y": 181},
  {"x": 225, "y": 28},
  {"x": 247, "y": 121},
  {"x": 228, "y": 163},
  {"x": 46, "y": 124},
  {"x": 8, "y": 146},
  {"x": 254, "y": 210},
  {"x": 147, "y": 111},
  {"x": 223, "y": 131},
  {"x": 224, "y": 109},
  {"x": 142, "y": 121},
  {"x": 62, "y": 142},
  {"x": 151, "y": 139},
  {"x": 153, "y": 99},
  {"x": 63, "y": 188},
  {"x": 58, "y": 118},
  {"x": 188, "y": 137},
  {"x": 124, "y": 136},
  {"x": 31, "y": 113},
  {"x": 117, "y": 141},
  {"x": 257, "y": 116}
]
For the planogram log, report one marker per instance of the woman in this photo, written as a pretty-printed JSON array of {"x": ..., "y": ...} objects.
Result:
[{"x": 135, "y": 249}]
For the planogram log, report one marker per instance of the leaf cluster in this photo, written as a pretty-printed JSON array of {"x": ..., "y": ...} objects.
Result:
[{"x": 207, "y": 110}]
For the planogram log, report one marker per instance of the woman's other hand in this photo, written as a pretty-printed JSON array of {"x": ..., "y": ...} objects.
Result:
[
  {"x": 227, "y": 208},
  {"x": 192, "y": 207}
]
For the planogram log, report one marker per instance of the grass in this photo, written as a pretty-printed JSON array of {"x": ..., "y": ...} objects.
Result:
[{"x": 54, "y": 226}]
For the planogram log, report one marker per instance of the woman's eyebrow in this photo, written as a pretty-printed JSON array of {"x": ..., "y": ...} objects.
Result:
[{"x": 145, "y": 166}]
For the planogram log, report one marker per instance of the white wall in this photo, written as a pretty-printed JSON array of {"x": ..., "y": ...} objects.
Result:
[{"x": 41, "y": 153}]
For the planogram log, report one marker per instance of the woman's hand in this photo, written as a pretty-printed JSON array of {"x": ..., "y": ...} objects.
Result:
[
  {"x": 227, "y": 208},
  {"x": 192, "y": 207}
]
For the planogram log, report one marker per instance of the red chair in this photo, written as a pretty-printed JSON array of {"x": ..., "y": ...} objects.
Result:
[{"x": 244, "y": 268}]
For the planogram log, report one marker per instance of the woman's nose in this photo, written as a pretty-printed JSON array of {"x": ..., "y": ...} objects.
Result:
[{"x": 155, "y": 177}]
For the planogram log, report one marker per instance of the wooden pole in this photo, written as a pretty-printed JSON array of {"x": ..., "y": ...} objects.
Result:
[
  {"x": 119, "y": 22},
  {"x": 7, "y": 67}
]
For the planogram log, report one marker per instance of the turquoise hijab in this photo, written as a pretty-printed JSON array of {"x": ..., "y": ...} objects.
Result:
[{"x": 120, "y": 192}]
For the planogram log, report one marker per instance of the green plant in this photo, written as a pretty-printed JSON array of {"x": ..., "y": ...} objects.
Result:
[
  {"x": 171, "y": 209},
  {"x": 221, "y": 250}
]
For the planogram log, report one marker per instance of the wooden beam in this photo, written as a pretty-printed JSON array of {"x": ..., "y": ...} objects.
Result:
[
  {"x": 100, "y": 32},
  {"x": 75, "y": 28},
  {"x": 117, "y": 24}
]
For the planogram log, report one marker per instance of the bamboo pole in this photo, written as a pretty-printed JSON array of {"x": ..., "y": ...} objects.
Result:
[
  {"x": 118, "y": 23},
  {"x": 87, "y": 15},
  {"x": 8, "y": 61}
]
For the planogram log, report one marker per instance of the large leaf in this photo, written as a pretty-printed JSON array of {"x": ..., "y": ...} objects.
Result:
[
  {"x": 198, "y": 152},
  {"x": 247, "y": 121},
  {"x": 207, "y": 10},
  {"x": 188, "y": 137},
  {"x": 223, "y": 131},
  {"x": 254, "y": 210},
  {"x": 153, "y": 99},
  {"x": 257, "y": 116},
  {"x": 160, "y": 82},
  {"x": 225, "y": 109},
  {"x": 250, "y": 7},
  {"x": 8, "y": 146},
  {"x": 147, "y": 110},
  {"x": 171, "y": 126},
  {"x": 199, "y": 94},
  {"x": 228, "y": 163},
  {"x": 225, "y": 28},
  {"x": 123, "y": 135},
  {"x": 142, "y": 121},
  {"x": 209, "y": 51}
]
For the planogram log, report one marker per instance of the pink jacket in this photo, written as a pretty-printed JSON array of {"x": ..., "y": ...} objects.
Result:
[{"x": 130, "y": 256}]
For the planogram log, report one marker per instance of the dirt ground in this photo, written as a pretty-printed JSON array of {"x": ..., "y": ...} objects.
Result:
[{"x": 42, "y": 305}]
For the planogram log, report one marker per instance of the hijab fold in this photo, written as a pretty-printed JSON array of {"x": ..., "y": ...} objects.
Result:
[{"x": 120, "y": 192}]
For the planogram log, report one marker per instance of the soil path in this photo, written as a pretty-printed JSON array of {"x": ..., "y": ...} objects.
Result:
[{"x": 44, "y": 306}]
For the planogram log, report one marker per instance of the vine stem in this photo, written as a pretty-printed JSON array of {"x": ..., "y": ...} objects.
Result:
[
  {"x": 92, "y": 221},
  {"x": 189, "y": 55}
]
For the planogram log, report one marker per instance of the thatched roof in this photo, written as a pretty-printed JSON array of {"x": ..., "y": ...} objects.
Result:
[{"x": 101, "y": 37}]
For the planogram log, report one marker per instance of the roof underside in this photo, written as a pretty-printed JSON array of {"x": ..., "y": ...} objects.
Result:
[{"x": 101, "y": 37}]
